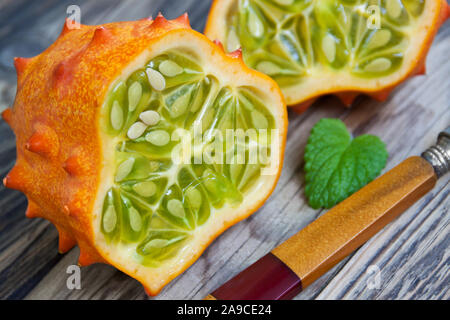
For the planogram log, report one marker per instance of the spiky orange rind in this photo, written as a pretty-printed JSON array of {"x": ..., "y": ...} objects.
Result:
[{"x": 64, "y": 158}]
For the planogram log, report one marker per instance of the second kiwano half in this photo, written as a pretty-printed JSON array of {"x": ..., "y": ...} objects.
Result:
[
  {"x": 122, "y": 143},
  {"x": 341, "y": 47}
]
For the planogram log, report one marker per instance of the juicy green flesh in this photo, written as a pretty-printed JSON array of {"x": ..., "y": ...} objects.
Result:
[
  {"x": 155, "y": 204},
  {"x": 291, "y": 39}
]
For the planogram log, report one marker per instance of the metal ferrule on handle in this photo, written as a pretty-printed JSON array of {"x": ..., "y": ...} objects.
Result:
[{"x": 439, "y": 155}]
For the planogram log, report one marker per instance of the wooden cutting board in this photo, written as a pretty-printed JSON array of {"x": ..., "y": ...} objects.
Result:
[{"x": 411, "y": 254}]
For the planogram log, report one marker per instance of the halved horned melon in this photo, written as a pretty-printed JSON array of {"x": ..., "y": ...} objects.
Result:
[
  {"x": 120, "y": 131},
  {"x": 342, "y": 47}
]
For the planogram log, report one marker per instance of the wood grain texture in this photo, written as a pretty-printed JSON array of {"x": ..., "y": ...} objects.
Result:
[{"x": 411, "y": 253}]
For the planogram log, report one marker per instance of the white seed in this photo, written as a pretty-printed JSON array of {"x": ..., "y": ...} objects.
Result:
[
  {"x": 170, "y": 68},
  {"x": 134, "y": 95},
  {"x": 197, "y": 102},
  {"x": 116, "y": 116},
  {"x": 268, "y": 68},
  {"x": 136, "y": 130},
  {"x": 175, "y": 207},
  {"x": 195, "y": 198},
  {"x": 155, "y": 243},
  {"x": 235, "y": 171},
  {"x": 329, "y": 47},
  {"x": 232, "y": 41},
  {"x": 249, "y": 172},
  {"x": 210, "y": 185},
  {"x": 207, "y": 119},
  {"x": 109, "y": 219},
  {"x": 415, "y": 7},
  {"x": 156, "y": 79},
  {"x": 209, "y": 181},
  {"x": 378, "y": 65},
  {"x": 236, "y": 167},
  {"x": 135, "y": 219},
  {"x": 255, "y": 26},
  {"x": 180, "y": 105},
  {"x": 124, "y": 169},
  {"x": 226, "y": 122},
  {"x": 284, "y": 2},
  {"x": 145, "y": 189},
  {"x": 259, "y": 120},
  {"x": 158, "y": 137},
  {"x": 150, "y": 117},
  {"x": 154, "y": 166},
  {"x": 379, "y": 39},
  {"x": 393, "y": 8}
]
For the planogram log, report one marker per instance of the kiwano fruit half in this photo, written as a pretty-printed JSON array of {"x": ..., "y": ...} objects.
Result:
[
  {"x": 104, "y": 120},
  {"x": 342, "y": 47}
]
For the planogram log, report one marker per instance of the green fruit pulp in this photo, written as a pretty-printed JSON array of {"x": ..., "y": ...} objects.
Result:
[
  {"x": 156, "y": 205},
  {"x": 290, "y": 39}
]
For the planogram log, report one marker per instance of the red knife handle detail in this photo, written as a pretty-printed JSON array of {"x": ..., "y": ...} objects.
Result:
[{"x": 266, "y": 279}]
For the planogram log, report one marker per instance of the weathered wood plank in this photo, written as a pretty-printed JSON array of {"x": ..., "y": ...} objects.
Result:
[{"x": 411, "y": 252}]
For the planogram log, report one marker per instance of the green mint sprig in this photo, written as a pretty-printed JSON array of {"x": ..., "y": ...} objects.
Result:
[{"x": 336, "y": 165}]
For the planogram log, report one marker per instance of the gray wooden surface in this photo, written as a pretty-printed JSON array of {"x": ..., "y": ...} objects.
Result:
[{"x": 412, "y": 253}]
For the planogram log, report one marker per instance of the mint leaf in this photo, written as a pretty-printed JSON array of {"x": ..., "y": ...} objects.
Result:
[{"x": 336, "y": 165}]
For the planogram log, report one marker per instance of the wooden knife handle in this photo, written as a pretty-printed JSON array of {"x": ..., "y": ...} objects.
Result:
[
  {"x": 307, "y": 255},
  {"x": 320, "y": 245}
]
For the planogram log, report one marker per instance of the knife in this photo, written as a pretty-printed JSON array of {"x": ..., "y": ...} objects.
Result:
[{"x": 298, "y": 262}]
